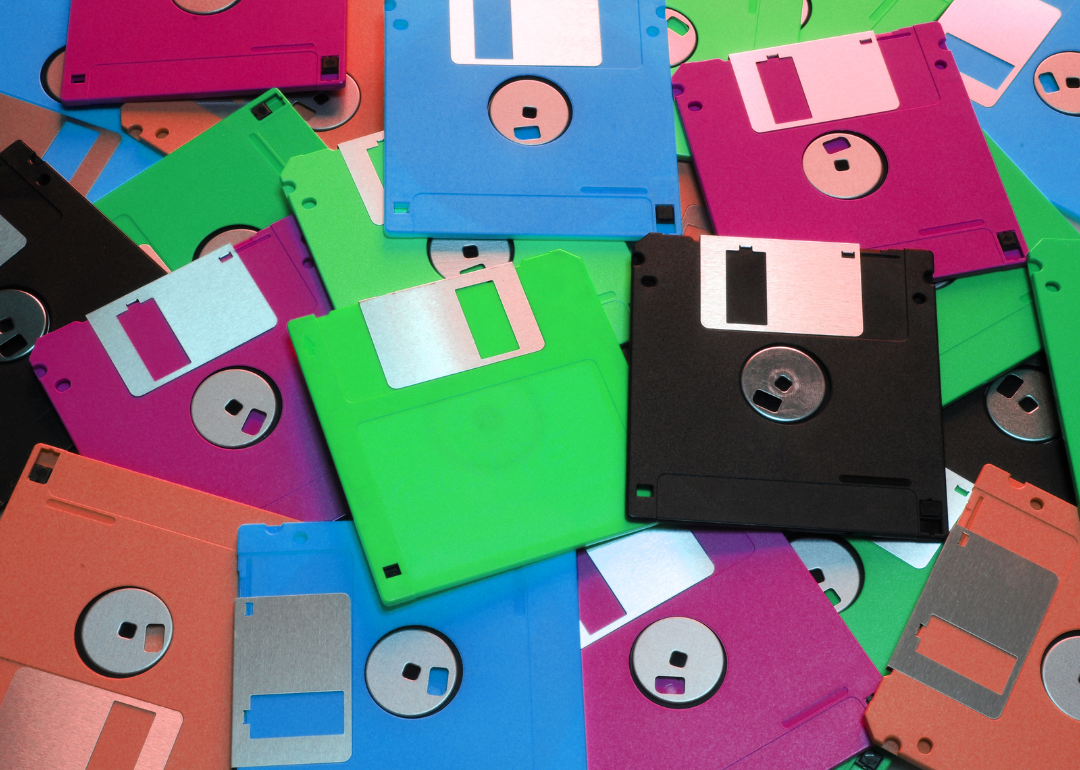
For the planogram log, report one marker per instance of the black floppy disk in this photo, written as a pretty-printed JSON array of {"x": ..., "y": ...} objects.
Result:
[
  {"x": 1011, "y": 422},
  {"x": 785, "y": 384},
  {"x": 60, "y": 258}
]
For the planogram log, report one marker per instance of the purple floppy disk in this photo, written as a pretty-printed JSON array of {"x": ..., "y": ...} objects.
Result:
[
  {"x": 131, "y": 50},
  {"x": 193, "y": 379},
  {"x": 861, "y": 138},
  {"x": 715, "y": 649}
]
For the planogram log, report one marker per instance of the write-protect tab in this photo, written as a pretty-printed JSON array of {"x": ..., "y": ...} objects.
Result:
[{"x": 209, "y": 307}]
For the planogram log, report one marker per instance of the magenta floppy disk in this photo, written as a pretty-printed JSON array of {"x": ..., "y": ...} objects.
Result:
[
  {"x": 865, "y": 138},
  {"x": 704, "y": 648},
  {"x": 193, "y": 379}
]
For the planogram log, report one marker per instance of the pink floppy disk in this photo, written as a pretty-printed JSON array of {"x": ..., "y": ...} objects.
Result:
[
  {"x": 192, "y": 379},
  {"x": 715, "y": 649},
  {"x": 131, "y": 50},
  {"x": 863, "y": 138}
]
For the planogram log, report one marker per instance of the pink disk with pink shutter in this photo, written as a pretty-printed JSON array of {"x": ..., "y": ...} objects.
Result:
[
  {"x": 193, "y": 379},
  {"x": 864, "y": 138},
  {"x": 703, "y": 648}
]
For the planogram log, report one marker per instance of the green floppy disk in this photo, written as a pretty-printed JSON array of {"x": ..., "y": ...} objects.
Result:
[
  {"x": 222, "y": 186},
  {"x": 1054, "y": 266},
  {"x": 830, "y": 18},
  {"x": 707, "y": 29},
  {"x": 986, "y": 323},
  {"x": 874, "y": 585},
  {"x": 477, "y": 423},
  {"x": 337, "y": 197}
]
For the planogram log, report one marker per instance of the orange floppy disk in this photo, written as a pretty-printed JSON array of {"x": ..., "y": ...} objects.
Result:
[
  {"x": 987, "y": 673},
  {"x": 116, "y": 619}
]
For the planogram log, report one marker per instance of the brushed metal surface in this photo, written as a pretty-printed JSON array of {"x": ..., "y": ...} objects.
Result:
[
  {"x": 988, "y": 592},
  {"x": 240, "y": 389},
  {"x": 421, "y": 334},
  {"x": 450, "y": 257},
  {"x": 11, "y": 240},
  {"x": 393, "y": 680},
  {"x": 645, "y": 569},
  {"x": 213, "y": 305},
  {"x": 811, "y": 287},
  {"x": 1061, "y": 675},
  {"x": 28, "y": 319},
  {"x": 290, "y": 644},
  {"x": 544, "y": 33},
  {"x": 47, "y": 721},
  {"x": 793, "y": 380},
  {"x": 655, "y": 657},
  {"x": 114, "y": 631},
  {"x": 355, "y": 154},
  {"x": 837, "y": 565},
  {"x": 1030, "y": 413}
]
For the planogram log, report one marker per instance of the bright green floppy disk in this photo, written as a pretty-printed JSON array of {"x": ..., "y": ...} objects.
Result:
[
  {"x": 1055, "y": 275},
  {"x": 710, "y": 29},
  {"x": 222, "y": 186},
  {"x": 986, "y": 323},
  {"x": 477, "y": 423},
  {"x": 874, "y": 585},
  {"x": 337, "y": 197},
  {"x": 830, "y": 18}
]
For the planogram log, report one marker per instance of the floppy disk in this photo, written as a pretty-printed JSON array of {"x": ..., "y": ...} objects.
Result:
[
  {"x": 120, "y": 50},
  {"x": 1011, "y": 422},
  {"x": 485, "y": 676},
  {"x": 59, "y": 259},
  {"x": 337, "y": 197},
  {"x": 535, "y": 99},
  {"x": 985, "y": 673},
  {"x": 703, "y": 29},
  {"x": 874, "y": 585},
  {"x": 220, "y": 188},
  {"x": 192, "y": 379},
  {"x": 986, "y": 323},
  {"x": 689, "y": 640},
  {"x": 830, "y": 18},
  {"x": 788, "y": 145},
  {"x": 1052, "y": 275},
  {"x": 33, "y": 39},
  {"x": 695, "y": 214},
  {"x": 338, "y": 116},
  {"x": 785, "y": 384},
  {"x": 455, "y": 409},
  {"x": 127, "y": 583},
  {"x": 1018, "y": 60}
]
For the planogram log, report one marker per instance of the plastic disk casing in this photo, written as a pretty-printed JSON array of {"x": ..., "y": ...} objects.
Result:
[
  {"x": 787, "y": 146},
  {"x": 688, "y": 638},
  {"x": 83, "y": 543},
  {"x": 453, "y": 410},
  {"x": 975, "y": 679},
  {"x": 59, "y": 260},
  {"x": 192, "y": 379},
  {"x": 397, "y": 688},
  {"x": 121, "y": 50}
]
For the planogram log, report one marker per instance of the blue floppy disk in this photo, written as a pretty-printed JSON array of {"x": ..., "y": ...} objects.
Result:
[
  {"x": 1020, "y": 62},
  {"x": 91, "y": 149},
  {"x": 529, "y": 119},
  {"x": 487, "y": 675}
]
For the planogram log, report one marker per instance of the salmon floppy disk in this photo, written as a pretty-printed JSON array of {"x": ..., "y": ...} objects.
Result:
[
  {"x": 688, "y": 642},
  {"x": 128, "y": 583},
  {"x": 192, "y": 379},
  {"x": 985, "y": 673},
  {"x": 788, "y": 145}
]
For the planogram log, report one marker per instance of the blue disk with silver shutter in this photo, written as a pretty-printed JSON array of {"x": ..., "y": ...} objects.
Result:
[{"x": 487, "y": 675}]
